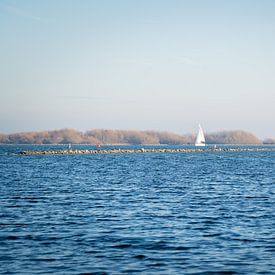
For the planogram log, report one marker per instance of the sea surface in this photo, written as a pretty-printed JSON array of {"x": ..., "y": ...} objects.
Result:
[{"x": 140, "y": 213}]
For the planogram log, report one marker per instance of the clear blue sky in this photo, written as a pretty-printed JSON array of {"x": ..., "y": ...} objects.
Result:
[{"x": 138, "y": 64}]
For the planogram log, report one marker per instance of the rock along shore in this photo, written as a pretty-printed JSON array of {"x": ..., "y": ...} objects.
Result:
[{"x": 142, "y": 150}]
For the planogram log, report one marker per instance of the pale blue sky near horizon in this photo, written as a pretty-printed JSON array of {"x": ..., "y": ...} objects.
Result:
[{"x": 138, "y": 64}]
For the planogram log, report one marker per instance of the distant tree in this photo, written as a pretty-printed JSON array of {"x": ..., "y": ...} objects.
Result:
[
  {"x": 40, "y": 137},
  {"x": 89, "y": 138},
  {"x": 4, "y": 138},
  {"x": 232, "y": 137},
  {"x": 66, "y": 136},
  {"x": 22, "y": 138},
  {"x": 97, "y": 134},
  {"x": 170, "y": 138}
]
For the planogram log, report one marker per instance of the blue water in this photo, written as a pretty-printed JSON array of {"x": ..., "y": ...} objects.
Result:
[{"x": 159, "y": 213}]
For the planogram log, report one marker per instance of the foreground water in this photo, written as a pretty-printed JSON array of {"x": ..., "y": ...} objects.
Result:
[{"x": 160, "y": 213}]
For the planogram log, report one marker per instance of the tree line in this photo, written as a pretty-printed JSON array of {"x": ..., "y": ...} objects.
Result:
[{"x": 131, "y": 137}]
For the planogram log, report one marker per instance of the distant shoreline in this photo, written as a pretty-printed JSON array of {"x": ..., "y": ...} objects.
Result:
[{"x": 128, "y": 137}]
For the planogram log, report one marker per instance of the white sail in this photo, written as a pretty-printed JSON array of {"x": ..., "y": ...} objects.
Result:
[{"x": 200, "y": 140}]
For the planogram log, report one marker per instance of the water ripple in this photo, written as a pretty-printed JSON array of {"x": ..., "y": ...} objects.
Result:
[{"x": 137, "y": 214}]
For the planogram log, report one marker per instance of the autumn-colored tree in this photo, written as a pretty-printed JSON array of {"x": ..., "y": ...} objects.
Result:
[{"x": 103, "y": 136}]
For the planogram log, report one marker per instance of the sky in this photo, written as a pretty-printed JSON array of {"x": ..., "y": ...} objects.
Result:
[{"x": 138, "y": 64}]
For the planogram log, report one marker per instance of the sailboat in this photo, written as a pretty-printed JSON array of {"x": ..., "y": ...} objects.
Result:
[{"x": 200, "y": 140}]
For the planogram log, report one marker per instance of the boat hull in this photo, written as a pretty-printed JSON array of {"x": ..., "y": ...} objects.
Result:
[{"x": 201, "y": 145}]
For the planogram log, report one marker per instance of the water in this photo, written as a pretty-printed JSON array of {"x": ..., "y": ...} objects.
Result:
[{"x": 194, "y": 213}]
